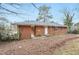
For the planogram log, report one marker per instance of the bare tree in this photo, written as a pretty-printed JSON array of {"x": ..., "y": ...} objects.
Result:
[{"x": 68, "y": 18}]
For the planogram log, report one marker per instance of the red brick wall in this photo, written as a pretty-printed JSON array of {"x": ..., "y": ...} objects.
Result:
[
  {"x": 51, "y": 30},
  {"x": 25, "y": 32},
  {"x": 39, "y": 30},
  {"x": 56, "y": 30},
  {"x": 64, "y": 30}
]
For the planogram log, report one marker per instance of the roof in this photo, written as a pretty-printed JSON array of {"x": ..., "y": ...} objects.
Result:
[
  {"x": 35, "y": 23},
  {"x": 77, "y": 24}
]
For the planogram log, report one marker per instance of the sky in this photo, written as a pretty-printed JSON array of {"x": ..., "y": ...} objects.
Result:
[{"x": 31, "y": 13}]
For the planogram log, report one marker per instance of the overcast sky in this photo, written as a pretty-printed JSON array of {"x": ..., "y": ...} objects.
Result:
[{"x": 31, "y": 13}]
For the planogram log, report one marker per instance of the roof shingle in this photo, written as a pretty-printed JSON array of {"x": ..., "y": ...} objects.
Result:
[{"x": 35, "y": 23}]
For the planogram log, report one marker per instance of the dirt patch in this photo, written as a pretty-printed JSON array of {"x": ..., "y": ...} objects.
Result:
[
  {"x": 70, "y": 48},
  {"x": 37, "y": 46}
]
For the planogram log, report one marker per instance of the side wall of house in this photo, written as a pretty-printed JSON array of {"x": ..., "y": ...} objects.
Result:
[
  {"x": 57, "y": 30},
  {"x": 63, "y": 30},
  {"x": 60, "y": 30}
]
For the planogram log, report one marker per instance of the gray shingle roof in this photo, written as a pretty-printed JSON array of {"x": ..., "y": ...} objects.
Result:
[{"x": 35, "y": 23}]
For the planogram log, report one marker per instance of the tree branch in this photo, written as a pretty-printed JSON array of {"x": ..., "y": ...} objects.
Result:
[
  {"x": 7, "y": 9},
  {"x": 35, "y": 6}
]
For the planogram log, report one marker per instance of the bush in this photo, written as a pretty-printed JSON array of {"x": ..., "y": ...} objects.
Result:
[
  {"x": 15, "y": 36},
  {"x": 9, "y": 37},
  {"x": 75, "y": 32},
  {"x": 0, "y": 36}
]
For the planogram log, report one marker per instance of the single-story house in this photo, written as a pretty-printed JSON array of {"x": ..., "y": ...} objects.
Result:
[
  {"x": 32, "y": 29},
  {"x": 75, "y": 26}
]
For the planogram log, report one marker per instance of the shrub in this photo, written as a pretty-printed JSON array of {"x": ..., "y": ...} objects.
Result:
[
  {"x": 14, "y": 36},
  {"x": 75, "y": 32},
  {"x": 5, "y": 36},
  {"x": 0, "y": 36}
]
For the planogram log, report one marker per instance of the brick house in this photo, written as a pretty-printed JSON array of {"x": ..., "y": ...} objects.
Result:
[{"x": 32, "y": 29}]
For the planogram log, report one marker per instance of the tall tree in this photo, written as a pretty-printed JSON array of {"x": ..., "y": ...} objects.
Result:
[
  {"x": 68, "y": 18},
  {"x": 44, "y": 13}
]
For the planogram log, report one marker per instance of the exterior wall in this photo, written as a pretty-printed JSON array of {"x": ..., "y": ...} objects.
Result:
[
  {"x": 39, "y": 30},
  {"x": 63, "y": 30},
  {"x": 51, "y": 30},
  {"x": 57, "y": 30},
  {"x": 25, "y": 32},
  {"x": 29, "y": 31}
]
